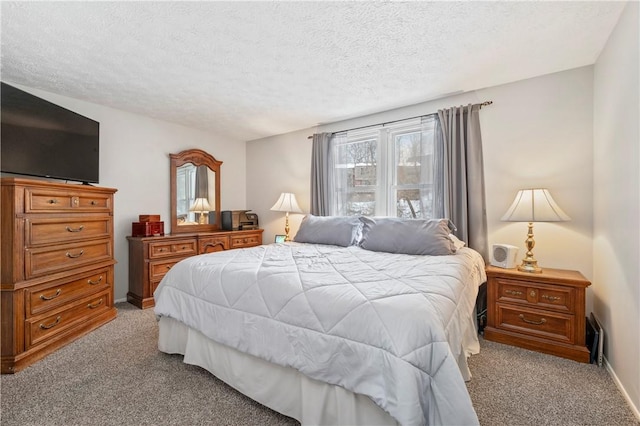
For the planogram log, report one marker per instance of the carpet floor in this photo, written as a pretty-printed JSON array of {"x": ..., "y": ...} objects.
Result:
[{"x": 116, "y": 376}]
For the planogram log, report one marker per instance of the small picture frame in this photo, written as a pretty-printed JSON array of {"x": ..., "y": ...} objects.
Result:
[{"x": 280, "y": 238}]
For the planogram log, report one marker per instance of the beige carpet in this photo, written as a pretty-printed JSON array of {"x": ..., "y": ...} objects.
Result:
[{"x": 116, "y": 376}]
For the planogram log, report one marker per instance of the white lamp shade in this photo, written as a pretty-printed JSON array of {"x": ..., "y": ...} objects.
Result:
[
  {"x": 200, "y": 205},
  {"x": 534, "y": 205},
  {"x": 286, "y": 203}
]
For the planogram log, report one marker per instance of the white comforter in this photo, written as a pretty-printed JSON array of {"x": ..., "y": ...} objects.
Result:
[{"x": 392, "y": 327}]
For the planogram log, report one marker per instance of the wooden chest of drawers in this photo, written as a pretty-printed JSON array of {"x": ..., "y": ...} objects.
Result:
[
  {"x": 151, "y": 257},
  {"x": 57, "y": 266},
  {"x": 542, "y": 312}
]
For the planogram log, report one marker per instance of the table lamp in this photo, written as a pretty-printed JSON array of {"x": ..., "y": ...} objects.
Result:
[
  {"x": 286, "y": 203},
  {"x": 200, "y": 205},
  {"x": 533, "y": 205}
]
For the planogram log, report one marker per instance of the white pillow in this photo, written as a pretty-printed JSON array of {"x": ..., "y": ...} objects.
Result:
[{"x": 457, "y": 243}]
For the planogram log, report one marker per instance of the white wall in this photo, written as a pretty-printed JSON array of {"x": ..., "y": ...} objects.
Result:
[
  {"x": 538, "y": 132},
  {"x": 616, "y": 245},
  {"x": 134, "y": 159}
]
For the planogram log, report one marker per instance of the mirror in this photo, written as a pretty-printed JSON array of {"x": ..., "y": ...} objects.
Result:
[{"x": 195, "y": 192}]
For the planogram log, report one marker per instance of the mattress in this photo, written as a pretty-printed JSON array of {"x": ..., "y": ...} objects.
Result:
[{"x": 394, "y": 328}]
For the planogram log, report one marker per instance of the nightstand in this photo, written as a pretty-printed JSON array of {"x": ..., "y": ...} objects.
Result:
[{"x": 541, "y": 312}]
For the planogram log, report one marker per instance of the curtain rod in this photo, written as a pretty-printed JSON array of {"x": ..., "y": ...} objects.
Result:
[{"x": 486, "y": 103}]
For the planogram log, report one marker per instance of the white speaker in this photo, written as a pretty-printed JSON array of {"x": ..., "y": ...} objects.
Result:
[{"x": 504, "y": 255}]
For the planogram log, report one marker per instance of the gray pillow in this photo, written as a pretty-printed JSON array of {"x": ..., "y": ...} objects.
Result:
[
  {"x": 407, "y": 236},
  {"x": 335, "y": 230}
]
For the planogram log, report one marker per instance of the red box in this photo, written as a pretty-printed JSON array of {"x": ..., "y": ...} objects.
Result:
[
  {"x": 147, "y": 229},
  {"x": 149, "y": 218}
]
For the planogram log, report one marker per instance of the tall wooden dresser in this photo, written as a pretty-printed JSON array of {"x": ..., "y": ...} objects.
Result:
[
  {"x": 151, "y": 257},
  {"x": 57, "y": 266}
]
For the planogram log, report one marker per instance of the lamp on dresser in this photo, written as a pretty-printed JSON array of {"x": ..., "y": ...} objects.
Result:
[
  {"x": 286, "y": 203},
  {"x": 533, "y": 205},
  {"x": 201, "y": 206}
]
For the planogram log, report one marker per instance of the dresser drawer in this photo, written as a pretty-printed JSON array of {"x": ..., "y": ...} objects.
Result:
[
  {"x": 553, "y": 297},
  {"x": 548, "y": 325},
  {"x": 47, "y": 260},
  {"x": 212, "y": 244},
  {"x": 49, "y": 200},
  {"x": 158, "y": 269},
  {"x": 46, "y": 297},
  {"x": 45, "y": 327},
  {"x": 66, "y": 229},
  {"x": 246, "y": 241},
  {"x": 187, "y": 247}
]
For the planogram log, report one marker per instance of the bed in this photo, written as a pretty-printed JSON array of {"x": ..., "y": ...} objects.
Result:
[{"x": 346, "y": 325}]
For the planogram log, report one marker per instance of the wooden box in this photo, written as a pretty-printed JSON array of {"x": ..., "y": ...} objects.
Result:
[
  {"x": 147, "y": 229},
  {"x": 149, "y": 218}
]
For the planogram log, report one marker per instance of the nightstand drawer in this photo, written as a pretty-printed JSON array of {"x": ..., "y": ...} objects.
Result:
[
  {"x": 548, "y": 325},
  {"x": 553, "y": 297}
]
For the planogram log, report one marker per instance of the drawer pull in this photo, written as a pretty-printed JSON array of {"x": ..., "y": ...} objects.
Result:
[
  {"x": 48, "y": 326},
  {"x": 43, "y": 297},
  {"x": 98, "y": 281},
  {"x": 90, "y": 306},
  {"x": 542, "y": 321},
  {"x": 53, "y": 201},
  {"x": 550, "y": 298},
  {"x": 532, "y": 293},
  {"x": 75, "y": 256},
  {"x": 94, "y": 203},
  {"x": 75, "y": 230},
  {"x": 513, "y": 292},
  {"x": 161, "y": 249}
]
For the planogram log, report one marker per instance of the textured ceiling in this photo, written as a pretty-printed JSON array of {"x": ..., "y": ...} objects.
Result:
[{"x": 253, "y": 69}]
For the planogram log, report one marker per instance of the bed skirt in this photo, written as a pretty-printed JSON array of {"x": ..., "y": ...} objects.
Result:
[{"x": 282, "y": 389}]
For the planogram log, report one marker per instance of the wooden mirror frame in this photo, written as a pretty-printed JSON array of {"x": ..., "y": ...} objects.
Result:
[{"x": 197, "y": 157}]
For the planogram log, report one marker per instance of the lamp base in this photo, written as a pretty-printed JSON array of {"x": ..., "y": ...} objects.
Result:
[{"x": 530, "y": 265}]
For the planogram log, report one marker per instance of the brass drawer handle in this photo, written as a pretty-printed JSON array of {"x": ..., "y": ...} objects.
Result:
[
  {"x": 532, "y": 293},
  {"x": 513, "y": 292},
  {"x": 75, "y": 256},
  {"x": 90, "y": 306},
  {"x": 542, "y": 321},
  {"x": 43, "y": 297},
  {"x": 550, "y": 298},
  {"x": 48, "y": 326},
  {"x": 75, "y": 230},
  {"x": 95, "y": 282},
  {"x": 53, "y": 201}
]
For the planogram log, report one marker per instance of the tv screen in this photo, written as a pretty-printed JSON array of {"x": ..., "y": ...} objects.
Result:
[{"x": 39, "y": 138}]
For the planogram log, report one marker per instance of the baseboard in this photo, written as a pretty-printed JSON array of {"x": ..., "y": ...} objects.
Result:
[
  {"x": 120, "y": 300},
  {"x": 634, "y": 409}
]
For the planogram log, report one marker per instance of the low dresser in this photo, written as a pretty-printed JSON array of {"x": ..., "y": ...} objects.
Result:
[{"x": 151, "y": 257}]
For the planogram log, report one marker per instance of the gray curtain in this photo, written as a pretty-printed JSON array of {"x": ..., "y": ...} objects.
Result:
[
  {"x": 202, "y": 184},
  {"x": 321, "y": 175},
  {"x": 462, "y": 186}
]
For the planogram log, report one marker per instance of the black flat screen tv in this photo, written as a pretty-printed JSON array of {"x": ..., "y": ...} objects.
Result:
[{"x": 39, "y": 138}]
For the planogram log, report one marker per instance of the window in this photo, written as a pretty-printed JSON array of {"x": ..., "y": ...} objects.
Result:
[{"x": 385, "y": 170}]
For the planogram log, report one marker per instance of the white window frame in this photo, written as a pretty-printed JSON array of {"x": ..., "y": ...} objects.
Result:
[{"x": 386, "y": 165}]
